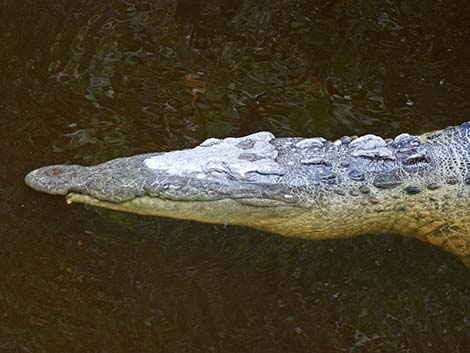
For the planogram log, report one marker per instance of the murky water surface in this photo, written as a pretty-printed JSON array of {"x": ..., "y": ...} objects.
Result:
[{"x": 86, "y": 81}]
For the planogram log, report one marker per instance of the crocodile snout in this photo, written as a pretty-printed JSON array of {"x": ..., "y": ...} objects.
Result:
[{"x": 55, "y": 179}]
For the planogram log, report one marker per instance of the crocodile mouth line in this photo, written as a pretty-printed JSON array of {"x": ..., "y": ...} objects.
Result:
[
  {"x": 222, "y": 211},
  {"x": 78, "y": 197}
]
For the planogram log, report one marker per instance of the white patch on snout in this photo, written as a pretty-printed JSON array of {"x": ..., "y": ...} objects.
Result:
[{"x": 216, "y": 158}]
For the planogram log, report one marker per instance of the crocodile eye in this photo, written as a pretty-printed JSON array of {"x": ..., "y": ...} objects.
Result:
[
  {"x": 416, "y": 158},
  {"x": 371, "y": 147}
]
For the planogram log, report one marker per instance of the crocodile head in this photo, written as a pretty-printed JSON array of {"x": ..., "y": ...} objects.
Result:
[{"x": 229, "y": 181}]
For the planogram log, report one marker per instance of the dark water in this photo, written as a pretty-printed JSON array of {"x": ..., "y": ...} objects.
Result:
[{"x": 86, "y": 81}]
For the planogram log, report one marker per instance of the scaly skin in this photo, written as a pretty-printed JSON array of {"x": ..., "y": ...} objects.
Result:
[{"x": 417, "y": 186}]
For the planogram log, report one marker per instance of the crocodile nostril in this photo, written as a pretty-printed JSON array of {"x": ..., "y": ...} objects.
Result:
[{"x": 55, "y": 171}]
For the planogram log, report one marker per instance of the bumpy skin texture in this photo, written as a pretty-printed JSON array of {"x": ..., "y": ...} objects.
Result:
[{"x": 417, "y": 186}]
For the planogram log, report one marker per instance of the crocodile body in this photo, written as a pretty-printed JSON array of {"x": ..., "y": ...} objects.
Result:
[{"x": 417, "y": 186}]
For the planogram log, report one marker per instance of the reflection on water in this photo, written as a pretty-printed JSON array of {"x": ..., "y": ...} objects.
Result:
[{"x": 82, "y": 82}]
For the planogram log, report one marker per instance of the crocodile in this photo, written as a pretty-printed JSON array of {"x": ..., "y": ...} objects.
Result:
[{"x": 416, "y": 186}]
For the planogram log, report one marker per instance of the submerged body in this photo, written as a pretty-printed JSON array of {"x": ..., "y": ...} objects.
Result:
[{"x": 417, "y": 186}]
